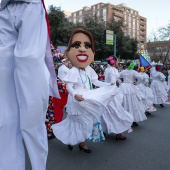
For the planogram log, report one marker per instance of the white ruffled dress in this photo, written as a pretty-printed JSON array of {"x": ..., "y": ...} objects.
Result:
[
  {"x": 146, "y": 92},
  {"x": 159, "y": 88},
  {"x": 132, "y": 97},
  {"x": 116, "y": 119},
  {"x": 83, "y": 119}
]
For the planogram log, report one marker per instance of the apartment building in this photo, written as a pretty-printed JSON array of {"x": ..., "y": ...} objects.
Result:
[
  {"x": 67, "y": 13},
  {"x": 134, "y": 25}
]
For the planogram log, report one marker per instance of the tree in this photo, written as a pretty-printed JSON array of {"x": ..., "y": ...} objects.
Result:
[
  {"x": 126, "y": 46},
  {"x": 164, "y": 32},
  {"x": 154, "y": 36},
  {"x": 161, "y": 34},
  {"x": 60, "y": 27}
]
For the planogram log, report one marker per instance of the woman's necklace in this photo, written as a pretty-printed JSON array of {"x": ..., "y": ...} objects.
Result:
[{"x": 83, "y": 81}]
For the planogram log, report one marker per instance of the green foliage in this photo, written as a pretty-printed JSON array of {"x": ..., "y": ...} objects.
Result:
[{"x": 61, "y": 30}]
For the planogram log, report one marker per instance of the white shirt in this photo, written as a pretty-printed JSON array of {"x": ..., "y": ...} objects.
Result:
[
  {"x": 62, "y": 71},
  {"x": 111, "y": 74},
  {"x": 129, "y": 76}
]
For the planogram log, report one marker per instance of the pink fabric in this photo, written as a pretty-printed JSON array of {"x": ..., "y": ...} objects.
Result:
[
  {"x": 111, "y": 60},
  {"x": 158, "y": 68}
]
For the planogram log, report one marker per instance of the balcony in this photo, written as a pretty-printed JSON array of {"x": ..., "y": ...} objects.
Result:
[
  {"x": 142, "y": 28},
  {"x": 142, "y": 37},
  {"x": 142, "y": 33},
  {"x": 118, "y": 14},
  {"x": 142, "y": 22}
]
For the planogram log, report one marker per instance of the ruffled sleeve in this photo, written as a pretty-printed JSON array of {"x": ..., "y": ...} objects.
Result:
[
  {"x": 159, "y": 76},
  {"x": 121, "y": 74},
  {"x": 72, "y": 76},
  {"x": 146, "y": 79},
  {"x": 162, "y": 76},
  {"x": 93, "y": 75},
  {"x": 114, "y": 75},
  {"x": 94, "y": 78},
  {"x": 137, "y": 75}
]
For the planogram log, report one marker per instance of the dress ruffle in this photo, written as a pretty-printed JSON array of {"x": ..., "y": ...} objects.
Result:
[
  {"x": 116, "y": 119},
  {"x": 80, "y": 123},
  {"x": 147, "y": 95},
  {"x": 132, "y": 101},
  {"x": 159, "y": 91}
]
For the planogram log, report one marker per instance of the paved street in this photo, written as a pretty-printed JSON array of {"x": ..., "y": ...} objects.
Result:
[{"x": 146, "y": 148}]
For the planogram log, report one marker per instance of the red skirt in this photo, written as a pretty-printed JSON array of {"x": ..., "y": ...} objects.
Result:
[{"x": 59, "y": 106}]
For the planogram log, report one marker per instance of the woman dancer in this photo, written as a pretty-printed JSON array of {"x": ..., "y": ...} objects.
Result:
[
  {"x": 147, "y": 94},
  {"x": 116, "y": 119},
  {"x": 158, "y": 87},
  {"x": 131, "y": 94},
  {"x": 84, "y": 106}
]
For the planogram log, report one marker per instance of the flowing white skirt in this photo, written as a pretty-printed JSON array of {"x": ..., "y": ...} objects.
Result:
[
  {"x": 132, "y": 101},
  {"x": 116, "y": 119},
  {"x": 147, "y": 95},
  {"x": 160, "y": 91},
  {"x": 83, "y": 120}
]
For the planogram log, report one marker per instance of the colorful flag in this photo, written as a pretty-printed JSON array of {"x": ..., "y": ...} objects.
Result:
[{"x": 143, "y": 61}]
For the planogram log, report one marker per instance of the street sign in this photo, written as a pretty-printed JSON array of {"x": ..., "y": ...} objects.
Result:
[{"x": 109, "y": 37}]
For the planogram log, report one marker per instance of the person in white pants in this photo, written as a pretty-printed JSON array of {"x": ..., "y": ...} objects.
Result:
[{"x": 24, "y": 89}]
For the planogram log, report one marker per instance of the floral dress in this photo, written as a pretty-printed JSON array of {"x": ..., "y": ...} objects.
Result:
[{"x": 50, "y": 118}]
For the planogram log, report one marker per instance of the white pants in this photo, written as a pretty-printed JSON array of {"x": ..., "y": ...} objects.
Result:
[{"x": 23, "y": 86}]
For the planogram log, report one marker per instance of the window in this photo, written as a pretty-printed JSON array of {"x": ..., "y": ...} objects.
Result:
[
  {"x": 98, "y": 7},
  {"x": 87, "y": 15},
  {"x": 94, "y": 13},
  {"x": 80, "y": 13},
  {"x": 80, "y": 19},
  {"x": 98, "y": 13},
  {"x": 134, "y": 25},
  {"x": 125, "y": 22},
  {"x": 104, "y": 14},
  {"x": 158, "y": 54},
  {"x": 164, "y": 53},
  {"x": 158, "y": 48},
  {"x": 104, "y": 10},
  {"x": 137, "y": 25}
]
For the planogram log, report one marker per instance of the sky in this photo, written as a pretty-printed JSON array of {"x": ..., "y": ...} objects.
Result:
[{"x": 157, "y": 12}]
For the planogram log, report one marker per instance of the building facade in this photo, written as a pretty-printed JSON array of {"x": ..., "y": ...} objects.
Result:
[{"x": 134, "y": 25}]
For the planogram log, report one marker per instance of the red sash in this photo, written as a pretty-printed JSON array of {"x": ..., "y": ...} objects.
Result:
[{"x": 48, "y": 24}]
